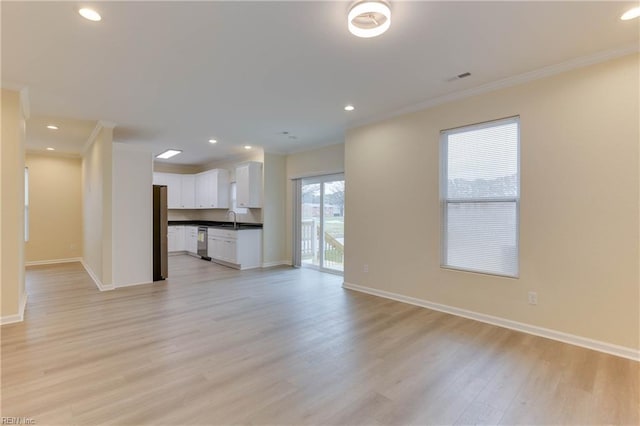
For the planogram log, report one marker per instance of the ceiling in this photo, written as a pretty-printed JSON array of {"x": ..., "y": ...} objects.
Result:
[{"x": 176, "y": 74}]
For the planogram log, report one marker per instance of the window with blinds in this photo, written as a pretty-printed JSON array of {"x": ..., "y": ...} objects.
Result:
[{"x": 480, "y": 195}]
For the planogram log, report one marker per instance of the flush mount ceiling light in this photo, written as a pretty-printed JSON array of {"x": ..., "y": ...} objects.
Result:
[
  {"x": 90, "y": 14},
  {"x": 630, "y": 14},
  {"x": 168, "y": 154},
  {"x": 369, "y": 18},
  {"x": 52, "y": 127},
  {"x": 213, "y": 141}
]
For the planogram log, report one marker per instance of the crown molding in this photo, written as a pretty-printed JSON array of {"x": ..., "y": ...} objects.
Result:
[
  {"x": 43, "y": 152},
  {"x": 92, "y": 137},
  {"x": 526, "y": 77},
  {"x": 101, "y": 124}
]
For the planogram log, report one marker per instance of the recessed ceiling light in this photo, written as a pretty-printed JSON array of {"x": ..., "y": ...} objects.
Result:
[
  {"x": 369, "y": 19},
  {"x": 52, "y": 127},
  {"x": 90, "y": 14},
  {"x": 630, "y": 14},
  {"x": 349, "y": 108},
  {"x": 50, "y": 149},
  {"x": 247, "y": 147},
  {"x": 168, "y": 154},
  {"x": 213, "y": 141}
]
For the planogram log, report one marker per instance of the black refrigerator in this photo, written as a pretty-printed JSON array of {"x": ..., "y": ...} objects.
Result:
[{"x": 160, "y": 228}]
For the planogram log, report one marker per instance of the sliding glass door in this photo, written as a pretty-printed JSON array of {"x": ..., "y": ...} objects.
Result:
[{"x": 321, "y": 223}]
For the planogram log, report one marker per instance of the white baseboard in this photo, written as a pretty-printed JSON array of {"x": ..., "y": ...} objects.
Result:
[
  {"x": 95, "y": 278},
  {"x": 53, "y": 261},
  {"x": 133, "y": 284},
  {"x": 621, "y": 351},
  {"x": 276, "y": 263},
  {"x": 19, "y": 317}
]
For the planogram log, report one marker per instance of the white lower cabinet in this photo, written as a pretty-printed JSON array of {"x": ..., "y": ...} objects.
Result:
[
  {"x": 229, "y": 251},
  {"x": 214, "y": 246},
  {"x": 175, "y": 238},
  {"x": 191, "y": 239},
  {"x": 241, "y": 249}
]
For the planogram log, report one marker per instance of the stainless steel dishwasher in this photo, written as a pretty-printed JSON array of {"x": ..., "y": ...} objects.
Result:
[{"x": 203, "y": 243}]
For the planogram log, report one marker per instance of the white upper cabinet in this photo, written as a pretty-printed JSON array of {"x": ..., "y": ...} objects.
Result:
[
  {"x": 212, "y": 189},
  {"x": 206, "y": 190},
  {"x": 188, "y": 191},
  {"x": 249, "y": 184},
  {"x": 160, "y": 178},
  {"x": 174, "y": 188}
]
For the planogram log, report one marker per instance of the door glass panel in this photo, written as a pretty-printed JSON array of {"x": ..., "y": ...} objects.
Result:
[
  {"x": 310, "y": 226},
  {"x": 321, "y": 240},
  {"x": 333, "y": 225}
]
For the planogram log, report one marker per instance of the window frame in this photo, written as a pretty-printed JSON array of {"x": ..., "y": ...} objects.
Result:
[
  {"x": 233, "y": 200},
  {"x": 26, "y": 204},
  {"x": 445, "y": 201}
]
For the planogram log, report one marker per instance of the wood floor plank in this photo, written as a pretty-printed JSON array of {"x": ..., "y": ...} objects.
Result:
[{"x": 217, "y": 346}]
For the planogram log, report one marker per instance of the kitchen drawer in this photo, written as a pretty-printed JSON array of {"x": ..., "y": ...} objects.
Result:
[{"x": 223, "y": 233}]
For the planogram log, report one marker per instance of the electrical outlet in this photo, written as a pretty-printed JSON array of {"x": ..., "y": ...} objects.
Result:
[
  {"x": 365, "y": 268},
  {"x": 532, "y": 297}
]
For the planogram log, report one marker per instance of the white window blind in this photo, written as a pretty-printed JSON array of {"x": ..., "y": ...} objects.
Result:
[{"x": 480, "y": 192}]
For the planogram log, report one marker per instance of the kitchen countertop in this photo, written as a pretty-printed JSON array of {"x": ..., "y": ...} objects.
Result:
[{"x": 214, "y": 224}]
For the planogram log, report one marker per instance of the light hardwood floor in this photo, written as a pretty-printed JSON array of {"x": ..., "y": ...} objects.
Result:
[{"x": 286, "y": 346}]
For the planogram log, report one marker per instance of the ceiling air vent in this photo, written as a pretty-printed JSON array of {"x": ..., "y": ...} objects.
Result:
[{"x": 459, "y": 76}]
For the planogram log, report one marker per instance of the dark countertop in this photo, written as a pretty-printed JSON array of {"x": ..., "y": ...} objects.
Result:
[{"x": 214, "y": 224}]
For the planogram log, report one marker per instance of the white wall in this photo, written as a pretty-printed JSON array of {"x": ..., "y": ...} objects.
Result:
[
  {"x": 273, "y": 210},
  {"x": 12, "y": 152},
  {"x": 132, "y": 215},
  {"x": 579, "y": 231},
  {"x": 55, "y": 208},
  {"x": 97, "y": 208}
]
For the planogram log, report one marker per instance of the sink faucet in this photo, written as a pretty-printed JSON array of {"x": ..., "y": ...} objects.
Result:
[{"x": 235, "y": 222}]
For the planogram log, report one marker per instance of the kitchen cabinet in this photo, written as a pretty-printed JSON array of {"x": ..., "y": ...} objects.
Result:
[
  {"x": 229, "y": 251},
  {"x": 188, "y": 191},
  {"x": 212, "y": 189},
  {"x": 181, "y": 189},
  {"x": 208, "y": 189},
  {"x": 173, "y": 183},
  {"x": 191, "y": 239},
  {"x": 240, "y": 249},
  {"x": 160, "y": 178},
  {"x": 175, "y": 239},
  {"x": 215, "y": 246},
  {"x": 249, "y": 184}
]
